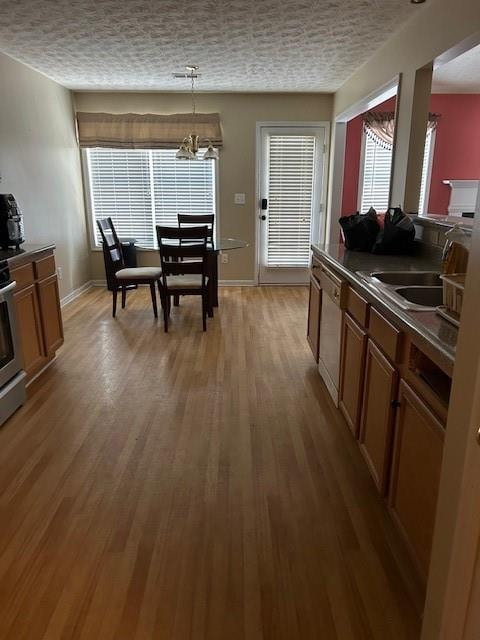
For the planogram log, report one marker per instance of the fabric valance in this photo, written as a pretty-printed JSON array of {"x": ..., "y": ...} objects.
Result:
[
  {"x": 146, "y": 131},
  {"x": 380, "y": 126}
]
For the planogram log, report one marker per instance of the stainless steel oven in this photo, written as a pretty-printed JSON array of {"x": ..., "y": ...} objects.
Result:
[{"x": 12, "y": 378}]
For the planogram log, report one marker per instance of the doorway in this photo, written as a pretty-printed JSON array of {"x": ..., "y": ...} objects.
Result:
[{"x": 291, "y": 208}]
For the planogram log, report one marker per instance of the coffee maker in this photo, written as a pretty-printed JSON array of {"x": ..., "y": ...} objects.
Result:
[{"x": 11, "y": 222}]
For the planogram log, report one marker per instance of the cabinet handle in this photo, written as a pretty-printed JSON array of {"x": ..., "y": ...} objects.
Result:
[
  {"x": 395, "y": 404},
  {"x": 478, "y": 436}
]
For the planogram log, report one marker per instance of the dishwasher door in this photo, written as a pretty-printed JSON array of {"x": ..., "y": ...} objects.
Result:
[{"x": 331, "y": 332}]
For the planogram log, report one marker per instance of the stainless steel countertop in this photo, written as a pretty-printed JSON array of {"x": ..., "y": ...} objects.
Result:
[{"x": 426, "y": 326}]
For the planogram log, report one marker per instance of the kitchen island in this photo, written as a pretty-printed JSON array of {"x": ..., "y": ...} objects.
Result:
[{"x": 388, "y": 370}]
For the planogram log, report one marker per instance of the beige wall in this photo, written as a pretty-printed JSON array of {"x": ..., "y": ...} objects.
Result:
[
  {"x": 39, "y": 164},
  {"x": 439, "y": 26},
  {"x": 239, "y": 114}
]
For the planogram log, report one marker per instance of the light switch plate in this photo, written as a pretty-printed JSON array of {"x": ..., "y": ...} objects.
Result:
[{"x": 239, "y": 198}]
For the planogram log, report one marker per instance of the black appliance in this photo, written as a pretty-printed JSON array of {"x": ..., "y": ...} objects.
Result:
[{"x": 11, "y": 222}]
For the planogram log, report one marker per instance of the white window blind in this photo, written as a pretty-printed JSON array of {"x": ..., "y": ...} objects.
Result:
[
  {"x": 290, "y": 200},
  {"x": 423, "y": 204},
  {"x": 141, "y": 188},
  {"x": 377, "y": 166}
]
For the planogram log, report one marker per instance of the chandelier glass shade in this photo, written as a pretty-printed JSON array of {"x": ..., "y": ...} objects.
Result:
[{"x": 191, "y": 144}]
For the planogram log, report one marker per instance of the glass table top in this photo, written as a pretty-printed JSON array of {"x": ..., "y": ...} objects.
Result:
[{"x": 222, "y": 244}]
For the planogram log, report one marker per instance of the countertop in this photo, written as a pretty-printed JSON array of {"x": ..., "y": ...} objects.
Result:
[
  {"x": 429, "y": 328},
  {"x": 26, "y": 253}
]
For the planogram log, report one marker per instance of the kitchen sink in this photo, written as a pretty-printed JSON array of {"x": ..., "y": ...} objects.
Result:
[
  {"x": 410, "y": 290},
  {"x": 408, "y": 278},
  {"x": 424, "y": 296}
]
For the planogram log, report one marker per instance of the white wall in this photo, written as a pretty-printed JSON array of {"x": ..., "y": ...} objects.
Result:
[{"x": 40, "y": 165}]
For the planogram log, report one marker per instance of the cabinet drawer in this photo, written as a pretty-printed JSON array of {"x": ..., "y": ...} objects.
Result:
[
  {"x": 45, "y": 267},
  {"x": 23, "y": 275},
  {"x": 384, "y": 334},
  {"x": 334, "y": 287},
  {"x": 357, "y": 307}
]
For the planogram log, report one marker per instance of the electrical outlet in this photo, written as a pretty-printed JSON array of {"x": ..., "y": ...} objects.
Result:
[
  {"x": 224, "y": 258},
  {"x": 60, "y": 273}
]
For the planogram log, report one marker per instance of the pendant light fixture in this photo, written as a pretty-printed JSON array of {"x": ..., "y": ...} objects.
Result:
[{"x": 189, "y": 148}]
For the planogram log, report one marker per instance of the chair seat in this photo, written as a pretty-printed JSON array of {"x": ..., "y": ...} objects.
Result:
[
  {"x": 139, "y": 273},
  {"x": 187, "y": 281}
]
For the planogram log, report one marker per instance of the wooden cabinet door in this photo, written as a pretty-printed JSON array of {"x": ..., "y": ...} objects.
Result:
[
  {"x": 314, "y": 308},
  {"x": 50, "y": 313},
  {"x": 30, "y": 330},
  {"x": 376, "y": 428},
  {"x": 417, "y": 460},
  {"x": 354, "y": 344}
]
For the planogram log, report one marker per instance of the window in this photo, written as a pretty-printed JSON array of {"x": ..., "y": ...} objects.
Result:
[
  {"x": 375, "y": 180},
  {"x": 426, "y": 172},
  {"x": 140, "y": 188}
]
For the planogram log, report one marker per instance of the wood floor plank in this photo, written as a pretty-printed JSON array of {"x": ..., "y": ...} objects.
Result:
[{"x": 193, "y": 486}]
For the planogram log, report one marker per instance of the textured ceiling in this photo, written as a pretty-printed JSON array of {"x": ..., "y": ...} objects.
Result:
[
  {"x": 240, "y": 45},
  {"x": 460, "y": 75}
]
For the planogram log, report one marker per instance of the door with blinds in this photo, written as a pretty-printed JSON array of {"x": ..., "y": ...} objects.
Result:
[{"x": 291, "y": 207}]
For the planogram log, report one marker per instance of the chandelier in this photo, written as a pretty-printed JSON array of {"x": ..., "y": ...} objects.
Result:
[{"x": 191, "y": 144}]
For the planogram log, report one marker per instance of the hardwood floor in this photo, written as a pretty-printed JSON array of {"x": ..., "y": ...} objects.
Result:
[{"x": 193, "y": 486}]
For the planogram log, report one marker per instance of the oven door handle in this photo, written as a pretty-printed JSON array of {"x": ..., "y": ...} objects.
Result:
[{"x": 8, "y": 289}]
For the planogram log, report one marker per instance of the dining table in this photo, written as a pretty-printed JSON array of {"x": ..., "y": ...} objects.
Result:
[{"x": 214, "y": 247}]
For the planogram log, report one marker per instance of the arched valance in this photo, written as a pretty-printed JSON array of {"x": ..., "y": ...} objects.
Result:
[{"x": 380, "y": 126}]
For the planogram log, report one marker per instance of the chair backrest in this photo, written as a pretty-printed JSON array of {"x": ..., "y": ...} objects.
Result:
[
  {"x": 186, "y": 221},
  {"x": 112, "y": 247},
  {"x": 172, "y": 251}
]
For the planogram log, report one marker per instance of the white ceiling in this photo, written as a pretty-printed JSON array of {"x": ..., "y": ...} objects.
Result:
[
  {"x": 240, "y": 45},
  {"x": 460, "y": 75}
]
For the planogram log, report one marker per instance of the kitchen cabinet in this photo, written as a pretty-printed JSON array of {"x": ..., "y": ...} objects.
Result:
[
  {"x": 417, "y": 460},
  {"x": 314, "y": 308},
  {"x": 376, "y": 429},
  {"x": 30, "y": 329},
  {"x": 354, "y": 343},
  {"x": 50, "y": 313},
  {"x": 38, "y": 311}
]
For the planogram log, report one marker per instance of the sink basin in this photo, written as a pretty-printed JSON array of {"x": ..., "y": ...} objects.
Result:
[
  {"x": 408, "y": 278},
  {"x": 424, "y": 296}
]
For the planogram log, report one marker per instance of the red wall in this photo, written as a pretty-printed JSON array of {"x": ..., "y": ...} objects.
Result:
[
  {"x": 457, "y": 145},
  {"x": 353, "y": 148},
  {"x": 456, "y": 153}
]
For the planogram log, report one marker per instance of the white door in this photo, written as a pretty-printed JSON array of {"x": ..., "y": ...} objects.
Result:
[{"x": 291, "y": 202}]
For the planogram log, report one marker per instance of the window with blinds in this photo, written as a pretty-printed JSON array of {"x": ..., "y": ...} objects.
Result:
[
  {"x": 377, "y": 167},
  {"x": 140, "y": 188},
  {"x": 290, "y": 200}
]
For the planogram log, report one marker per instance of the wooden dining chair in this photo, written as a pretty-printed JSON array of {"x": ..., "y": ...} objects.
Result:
[
  {"x": 123, "y": 277},
  {"x": 185, "y": 221},
  {"x": 184, "y": 267}
]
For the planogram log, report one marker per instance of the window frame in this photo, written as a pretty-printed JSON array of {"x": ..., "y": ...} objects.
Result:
[
  {"x": 89, "y": 207},
  {"x": 423, "y": 206}
]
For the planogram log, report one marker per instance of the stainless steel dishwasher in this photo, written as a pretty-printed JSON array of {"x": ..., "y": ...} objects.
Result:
[{"x": 333, "y": 297}]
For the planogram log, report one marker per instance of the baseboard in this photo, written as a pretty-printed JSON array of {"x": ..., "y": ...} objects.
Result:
[
  {"x": 75, "y": 293},
  {"x": 42, "y": 370},
  {"x": 237, "y": 283},
  {"x": 221, "y": 283}
]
